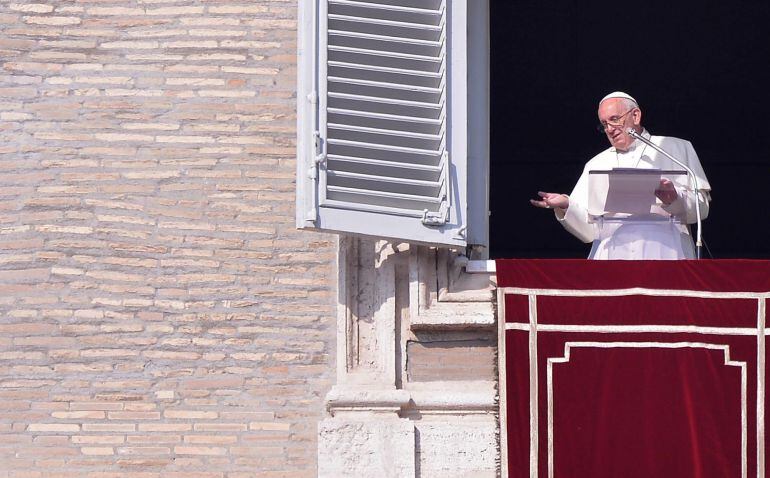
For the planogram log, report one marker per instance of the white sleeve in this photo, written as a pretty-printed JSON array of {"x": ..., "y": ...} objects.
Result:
[
  {"x": 684, "y": 205},
  {"x": 575, "y": 219}
]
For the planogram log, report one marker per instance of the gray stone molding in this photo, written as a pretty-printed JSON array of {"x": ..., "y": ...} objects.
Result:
[{"x": 379, "y": 423}]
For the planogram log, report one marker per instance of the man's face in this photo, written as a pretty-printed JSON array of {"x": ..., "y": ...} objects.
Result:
[{"x": 618, "y": 118}]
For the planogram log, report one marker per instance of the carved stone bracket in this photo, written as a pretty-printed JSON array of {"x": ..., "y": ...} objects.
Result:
[{"x": 445, "y": 296}]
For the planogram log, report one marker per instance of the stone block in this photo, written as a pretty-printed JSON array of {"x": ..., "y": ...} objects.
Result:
[
  {"x": 457, "y": 447},
  {"x": 381, "y": 447}
]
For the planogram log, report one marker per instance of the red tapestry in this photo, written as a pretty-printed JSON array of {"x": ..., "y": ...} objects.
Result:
[{"x": 633, "y": 368}]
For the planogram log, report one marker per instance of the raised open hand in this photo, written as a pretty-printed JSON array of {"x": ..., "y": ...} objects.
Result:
[{"x": 550, "y": 200}]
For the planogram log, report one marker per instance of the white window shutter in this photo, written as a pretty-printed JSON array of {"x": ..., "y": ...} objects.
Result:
[{"x": 382, "y": 126}]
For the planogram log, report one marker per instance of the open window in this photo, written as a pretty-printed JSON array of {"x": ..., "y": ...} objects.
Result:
[{"x": 392, "y": 119}]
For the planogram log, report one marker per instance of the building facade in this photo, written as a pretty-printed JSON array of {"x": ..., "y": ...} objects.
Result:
[{"x": 161, "y": 315}]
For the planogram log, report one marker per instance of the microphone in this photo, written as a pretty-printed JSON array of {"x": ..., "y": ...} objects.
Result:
[{"x": 698, "y": 241}]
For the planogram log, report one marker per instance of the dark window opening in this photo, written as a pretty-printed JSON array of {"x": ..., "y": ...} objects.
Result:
[{"x": 699, "y": 71}]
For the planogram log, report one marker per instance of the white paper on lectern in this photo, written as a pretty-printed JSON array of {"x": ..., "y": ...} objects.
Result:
[{"x": 625, "y": 191}]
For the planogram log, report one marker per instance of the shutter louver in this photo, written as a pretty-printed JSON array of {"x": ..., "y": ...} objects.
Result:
[
  {"x": 381, "y": 164},
  {"x": 385, "y": 108}
]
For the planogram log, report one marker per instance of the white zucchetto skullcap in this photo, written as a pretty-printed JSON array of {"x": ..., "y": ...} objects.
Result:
[{"x": 619, "y": 94}]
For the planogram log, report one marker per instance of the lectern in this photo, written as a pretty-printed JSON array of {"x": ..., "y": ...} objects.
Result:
[{"x": 623, "y": 205}]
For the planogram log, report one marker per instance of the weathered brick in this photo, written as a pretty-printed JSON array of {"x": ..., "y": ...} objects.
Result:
[
  {"x": 131, "y": 45},
  {"x": 133, "y": 415},
  {"x": 109, "y": 427},
  {"x": 144, "y": 450},
  {"x": 238, "y": 9},
  {"x": 53, "y": 427},
  {"x": 99, "y": 451},
  {"x": 27, "y": 328},
  {"x": 51, "y": 20},
  {"x": 96, "y": 406},
  {"x": 184, "y": 10},
  {"x": 154, "y": 126},
  {"x": 200, "y": 450},
  {"x": 164, "y": 427},
  {"x": 220, "y": 427},
  {"x": 122, "y": 137},
  {"x": 190, "y": 414},
  {"x": 99, "y": 439},
  {"x": 31, "y": 7},
  {"x": 154, "y": 438},
  {"x": 114, "y": 11},
  {"x": 269, "y": 426}
]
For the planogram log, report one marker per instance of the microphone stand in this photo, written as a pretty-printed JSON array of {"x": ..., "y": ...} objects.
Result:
[{"x": 698, "y": 240}]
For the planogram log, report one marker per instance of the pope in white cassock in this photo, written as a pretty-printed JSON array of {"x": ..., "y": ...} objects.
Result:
[{"x": 658, "y": 239}]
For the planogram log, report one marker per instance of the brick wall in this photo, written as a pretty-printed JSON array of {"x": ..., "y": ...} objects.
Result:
[
  {"x": 452, "y": 357},
  {"x": 159, "y": 313}
]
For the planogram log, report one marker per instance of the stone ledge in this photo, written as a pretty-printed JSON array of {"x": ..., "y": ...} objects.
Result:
[
  {"x": 346, "y": 398},
  {"x": 453, "y": 315},
  {"x": 460, "y": 396}
]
